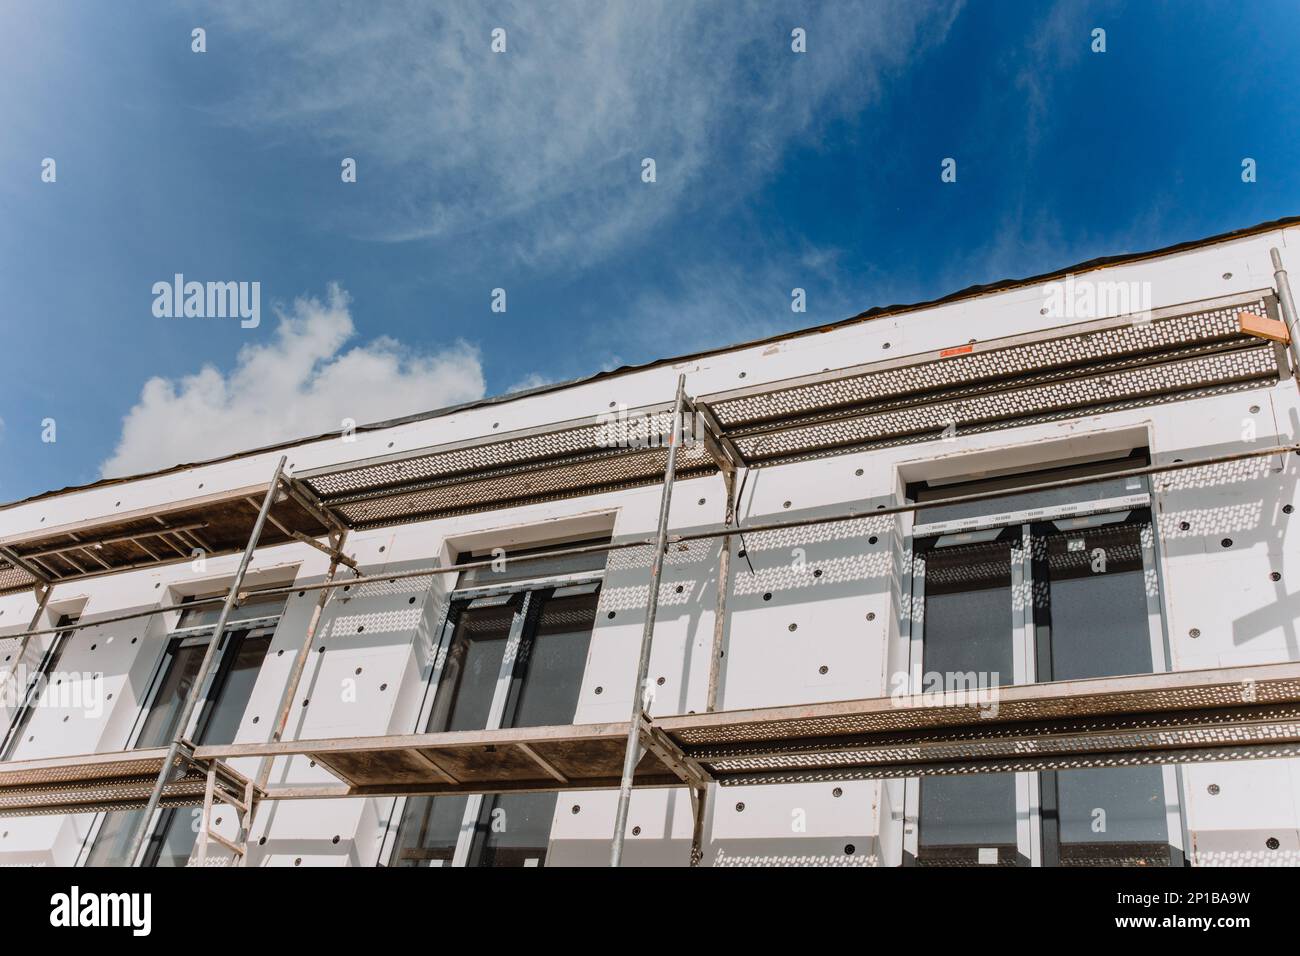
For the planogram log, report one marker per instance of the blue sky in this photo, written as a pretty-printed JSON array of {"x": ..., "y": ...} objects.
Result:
[{"x": 522, "y": 171}]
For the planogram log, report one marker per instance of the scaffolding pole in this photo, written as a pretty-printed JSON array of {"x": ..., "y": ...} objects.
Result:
[
  {"x": 701, "y": 798},
  {"x": 633, "y": 750},
  {"x": 724, "y": 584},
  {"x": 337, "y": 540},
  {"x": 200, "y": 678},
  {"x": 1289, "y": 318}
]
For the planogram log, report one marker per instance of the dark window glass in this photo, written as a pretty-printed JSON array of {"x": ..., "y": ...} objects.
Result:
[
  {"x": 968, "y": 821},
  {"x": 1090, "y": 601},
  {"x": 1110, "y": 817},
  {"x": 545, "y": 679},
  {"x": 513, "y": 830},
  {"x": 462, "y": 701},
  {"x": 1091, "y": 618},
  {"x": 429, "y": 830},
  {"x": 113, "y": 841},
  {"x": 966, "y": 619},
  {"x": 967, "y": 641},
  {"x": 551, "y": 663},
  {"x": 173, "y": 839},
  {"x": 221, "y": 722},
  {"x": 182, "y": 667}
]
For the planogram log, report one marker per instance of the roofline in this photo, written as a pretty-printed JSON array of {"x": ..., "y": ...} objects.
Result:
[{"x": 877, "y": 312}]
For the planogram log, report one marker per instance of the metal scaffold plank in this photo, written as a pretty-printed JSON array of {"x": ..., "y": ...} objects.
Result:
[
  {"x": 992, "y": 709},
  {"x": 1242, "y": 713},
  {"x": 1229, "y": 713},
  {"x": 167, "y": 533},
  {"x": 565, "y": 757},
  {"x": 109, "y": 781},
  {"x": 1168, "y": 354}
]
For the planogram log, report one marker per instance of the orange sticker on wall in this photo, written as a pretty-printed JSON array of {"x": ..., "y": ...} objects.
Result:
[{"x": 957, "y": 350}]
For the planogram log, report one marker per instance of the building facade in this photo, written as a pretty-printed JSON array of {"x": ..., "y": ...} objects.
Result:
[{"x": 1096, "y": 373}]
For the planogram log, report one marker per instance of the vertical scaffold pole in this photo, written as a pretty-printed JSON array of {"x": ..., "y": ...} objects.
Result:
[
  {"x": 300, "y": 662},
  {"x": 724, "y": 585},
  {"x": 337, "y": 540},
  {"x": 700, "y": 797},
  {"x": 633, "y": 752},
  {"x": 1289, "y": 317},
  {"x": 200, "y": 678}
]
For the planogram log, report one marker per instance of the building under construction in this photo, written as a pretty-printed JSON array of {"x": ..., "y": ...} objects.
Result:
[{"x": 1007, "y": 578}]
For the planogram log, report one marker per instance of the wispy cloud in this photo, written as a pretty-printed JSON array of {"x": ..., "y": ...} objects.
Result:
[
  {"x": 1028, "y": 237},
  {"x": 530, "y": 381},
  {"x": 1060, "y": 42},
  {"x": 544, "y": 143},
  {"x": 305, "y": 381},
  {"x": 718, "y": 303}
]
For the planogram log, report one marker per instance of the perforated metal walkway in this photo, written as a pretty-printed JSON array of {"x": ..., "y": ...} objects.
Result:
[
  {"x": 1194, "y": 716},
  {"x": 106, "y": 781},
  {"x": 1171, "y": 354}
]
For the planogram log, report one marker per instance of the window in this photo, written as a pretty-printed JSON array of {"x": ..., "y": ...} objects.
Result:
[
  {"x": 36, "y": 688},
  {"x": 967, "y": 620},
  {"x": 242, "y": 649},
  {"x": 969, "y": 820},
  {"x": 512, "y": 659},
  {"x": 1023, "y": 588}
]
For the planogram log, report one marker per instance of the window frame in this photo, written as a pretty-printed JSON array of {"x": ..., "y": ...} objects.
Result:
[
  {"x": 1037, "y": 841},
  {"x": 176, "y": 639},
  {"x": 459, "y": 600},
  {"x": 35, "y": 688}
]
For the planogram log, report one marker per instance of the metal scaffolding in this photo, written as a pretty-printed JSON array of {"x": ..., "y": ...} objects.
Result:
[
  {"x": 207, "y": 526},
  {"x": 1175, "y": 717},
  {"x": 1222, "y": 714}
]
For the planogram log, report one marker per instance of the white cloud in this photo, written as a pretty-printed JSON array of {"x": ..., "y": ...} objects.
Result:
[
  {"x": 536, "y": 153},
  {"x": 530, "y": 381},
  {"x": 1062, "y": 38},
  {"x": 303, "y": 382}
]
